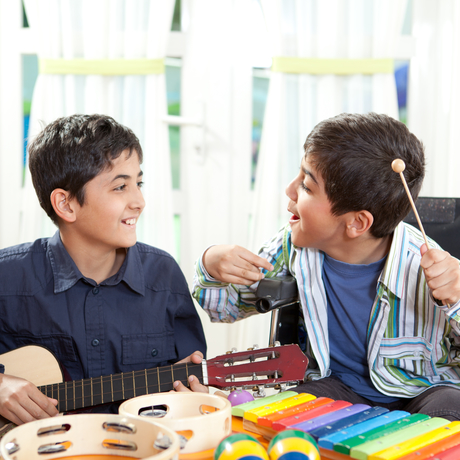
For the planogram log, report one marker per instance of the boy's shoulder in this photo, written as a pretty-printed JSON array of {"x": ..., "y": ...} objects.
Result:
[
  {"x": 161, "y": 271},
  {"x": 20, "y": 253},
  {"x": 25, "y": 267},
  {"x": 155, "y": 255}
]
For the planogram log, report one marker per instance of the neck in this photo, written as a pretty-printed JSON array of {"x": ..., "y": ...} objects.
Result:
[
  {"x": 96, "y": 263},
  {"x": 365, "y": 250}
]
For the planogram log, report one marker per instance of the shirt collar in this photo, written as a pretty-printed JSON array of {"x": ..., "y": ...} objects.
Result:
[
  {"x": 66, "y": 273},
  {"x": 393, "y": 274}
]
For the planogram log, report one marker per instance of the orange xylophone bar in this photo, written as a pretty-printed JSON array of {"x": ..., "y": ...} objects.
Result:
[{"x": 377, "y": 435}]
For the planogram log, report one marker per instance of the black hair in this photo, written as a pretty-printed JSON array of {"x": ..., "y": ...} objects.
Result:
[
  {"x": 71, "y": 151},
  {"x": 353, "y": 153}
]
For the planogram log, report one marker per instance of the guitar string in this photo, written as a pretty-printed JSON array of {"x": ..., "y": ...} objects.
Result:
[{"x": 122, "y": 378}]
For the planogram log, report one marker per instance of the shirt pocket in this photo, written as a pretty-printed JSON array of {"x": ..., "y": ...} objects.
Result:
[
  {"x": 148, "y": 350},
  {"x": 411, "y": 355}
]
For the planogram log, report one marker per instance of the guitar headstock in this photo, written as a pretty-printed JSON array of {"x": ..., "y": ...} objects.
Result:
[{"x": 261, "y": 366}]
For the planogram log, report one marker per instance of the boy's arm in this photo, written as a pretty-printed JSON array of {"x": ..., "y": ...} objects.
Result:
[
  {"x": 21, "y": 401},
  {"x": 234, "y": 264},
  {"x": 215, "y": 290}
]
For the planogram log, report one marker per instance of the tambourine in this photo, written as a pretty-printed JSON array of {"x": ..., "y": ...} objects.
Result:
[
  {"x": 102, "y": 435},
  {"x": 202, "y": 419}
]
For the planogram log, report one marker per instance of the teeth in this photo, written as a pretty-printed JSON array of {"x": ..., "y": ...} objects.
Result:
[{"x": 130, "y": 221}]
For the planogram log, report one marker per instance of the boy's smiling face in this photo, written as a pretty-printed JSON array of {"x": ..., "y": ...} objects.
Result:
[
  {"x": 312, "y": 222},
  {"x": 112, "y": 206}
]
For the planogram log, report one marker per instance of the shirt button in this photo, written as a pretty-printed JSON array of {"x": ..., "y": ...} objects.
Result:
[
  {"x": 96, "y": 290},
  {"x": 95, "y": 342},
  {"x": 154, "y": 352}
]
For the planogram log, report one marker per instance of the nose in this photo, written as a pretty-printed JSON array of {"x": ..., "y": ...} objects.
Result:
[
  {"x": 137, "y": 200},
  {"x": 291, "y": 190}
]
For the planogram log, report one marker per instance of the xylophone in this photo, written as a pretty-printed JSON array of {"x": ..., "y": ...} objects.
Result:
[{"x": 343, "y": 430}]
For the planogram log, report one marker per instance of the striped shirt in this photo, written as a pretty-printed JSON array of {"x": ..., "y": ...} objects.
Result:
[{"x": 413, "y": 343}]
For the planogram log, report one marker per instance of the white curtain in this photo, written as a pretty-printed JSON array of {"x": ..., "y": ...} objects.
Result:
[
  {"x": 337, "y": 29},
  {"x": 333, "y": 29},
  {"x": 106, "y": 29},
  {"x": 434, "y": 92}
]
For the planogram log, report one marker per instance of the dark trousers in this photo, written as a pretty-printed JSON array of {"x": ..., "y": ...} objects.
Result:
[{"x": 440, "y": 401}]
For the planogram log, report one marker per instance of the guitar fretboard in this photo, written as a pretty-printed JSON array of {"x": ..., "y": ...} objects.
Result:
[{"x": 79, "y": 394}]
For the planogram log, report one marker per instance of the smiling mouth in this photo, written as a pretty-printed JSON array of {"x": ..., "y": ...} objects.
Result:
[{"x": 129, "y": 221}]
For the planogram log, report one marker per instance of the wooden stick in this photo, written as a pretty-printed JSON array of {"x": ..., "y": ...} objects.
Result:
[{"x": 398, "y": 166}]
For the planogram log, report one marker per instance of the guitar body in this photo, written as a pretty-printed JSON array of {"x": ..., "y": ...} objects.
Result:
[{"x": 33, "y": 363}]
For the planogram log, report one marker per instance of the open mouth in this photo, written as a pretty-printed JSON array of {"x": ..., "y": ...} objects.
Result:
[
  {"x": 129, "y": 222},
  {"x": 294, "y": 218}
]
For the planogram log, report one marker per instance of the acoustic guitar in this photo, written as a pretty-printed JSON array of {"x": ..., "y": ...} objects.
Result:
[{"x": 257, "y": 367}]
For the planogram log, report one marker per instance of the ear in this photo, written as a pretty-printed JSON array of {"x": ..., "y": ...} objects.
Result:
[
  {"x": 63, "y": 205},
  {"x": 359, "y": 223}
]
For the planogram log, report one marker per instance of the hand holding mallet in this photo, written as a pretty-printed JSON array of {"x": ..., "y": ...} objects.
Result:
[{"x": 399, "y": 166}]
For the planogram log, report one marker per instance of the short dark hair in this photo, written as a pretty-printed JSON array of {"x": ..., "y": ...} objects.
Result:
[
  {"x": 71, "y": 151},
  {"x": 353, "y": 153}
]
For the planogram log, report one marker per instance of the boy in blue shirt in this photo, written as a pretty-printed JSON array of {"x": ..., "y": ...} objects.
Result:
[
  {"x": 381, "y": 311},
  {"x": 98, "y": 300}
]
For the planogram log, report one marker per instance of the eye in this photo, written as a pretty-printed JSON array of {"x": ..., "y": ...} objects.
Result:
[
  {"x": 120, "y": 188},
  {"x": 304, "y": 187},
  {"x": 140, "y": 184}
]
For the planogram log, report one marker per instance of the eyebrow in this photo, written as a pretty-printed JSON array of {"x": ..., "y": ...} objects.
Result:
[
  {"x": 308, "y": 173},
  {"x": 126, "y": 176}
]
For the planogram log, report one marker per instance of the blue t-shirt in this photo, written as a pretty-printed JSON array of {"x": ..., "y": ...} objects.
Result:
[
  {"x": 139, "y": 318},
  {"x": 351, "y": 291}
]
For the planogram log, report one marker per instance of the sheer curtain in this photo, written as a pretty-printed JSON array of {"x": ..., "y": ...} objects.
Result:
[
  {"x": 129, "y": 30},
  {"x": 326, "y": 29},
  {"x": 434, "y": 92},
  {"x": 339, "y": 30}
]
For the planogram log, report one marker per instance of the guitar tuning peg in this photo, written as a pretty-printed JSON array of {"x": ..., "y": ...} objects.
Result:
[
  {"x": 233, "y": 350},
  {"x": 254, "y": 347},
  {"x": 258, "y": 392},
  {"x": 277, "y": 344}
]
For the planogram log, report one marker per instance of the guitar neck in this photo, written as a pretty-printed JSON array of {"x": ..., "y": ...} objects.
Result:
[{"x": 79, "y": 394}]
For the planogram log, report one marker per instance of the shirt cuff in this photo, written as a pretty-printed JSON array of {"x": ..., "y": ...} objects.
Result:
[{"x": 453, "y": 311}]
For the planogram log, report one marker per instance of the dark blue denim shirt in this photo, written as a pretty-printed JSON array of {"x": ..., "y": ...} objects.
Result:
[{"x": 142, "y": 317}]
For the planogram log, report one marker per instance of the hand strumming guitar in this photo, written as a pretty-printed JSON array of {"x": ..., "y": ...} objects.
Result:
[{"x": 21, "y": 401}]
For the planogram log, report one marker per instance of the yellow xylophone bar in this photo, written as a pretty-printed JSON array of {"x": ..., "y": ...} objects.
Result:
[
  {"x": 411, "y": 445},
  {"x": 254, "y": 414},
  {"x": 419, "y": 440}
]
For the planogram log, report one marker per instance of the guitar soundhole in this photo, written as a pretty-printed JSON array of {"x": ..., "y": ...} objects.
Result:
[
  {"x": 157, "y": 411},
  {"x": 54, "y": 448},
  {"x": 55, "y": 429},
  {"x": 119, "y": 427}
]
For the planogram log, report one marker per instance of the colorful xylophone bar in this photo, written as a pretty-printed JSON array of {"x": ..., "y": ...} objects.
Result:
[{"x": 343, "y": 430}]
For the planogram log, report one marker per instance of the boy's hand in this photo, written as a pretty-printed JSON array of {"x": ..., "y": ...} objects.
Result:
[
  {"x": 195, "y": 385},
  {"x": 234, "y": 264},
  {"x": 21, "y": 401},
  {"x": 442, "y": 273}
]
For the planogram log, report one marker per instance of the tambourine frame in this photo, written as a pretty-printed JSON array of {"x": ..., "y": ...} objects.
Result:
[
  {"x": 187, "y": 412},
  {"x": 90, "y": 434}
]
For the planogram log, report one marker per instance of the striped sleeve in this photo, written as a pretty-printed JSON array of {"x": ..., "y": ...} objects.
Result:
[{"x": 227, "y": 303}]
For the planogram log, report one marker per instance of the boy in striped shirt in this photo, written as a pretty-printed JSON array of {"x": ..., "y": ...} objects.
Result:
[{"x": 381, "y": 310}]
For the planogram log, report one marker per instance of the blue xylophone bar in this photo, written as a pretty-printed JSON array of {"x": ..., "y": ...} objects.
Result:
[{"x": 363, "y": 432}]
